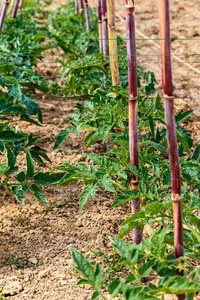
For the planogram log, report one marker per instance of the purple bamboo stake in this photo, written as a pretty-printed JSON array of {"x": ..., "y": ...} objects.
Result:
[
  {"x": 15, "y": 9},
  {"x": 104, "y": 28},
  {"x": 21, "y": 2},
  {"x": 81, "y": 6},
  {"x": 171, "y": 128},
  {"x": 2, "y": 2},
  {"x": 133, "y": 104},
  {"x": 87, "y": 15},
  {"x": 3, "y": 13},
  {"x": 76, "y": 7},
  {"x": 105, "y": 44},
  {"x": 100, "y": 25}
]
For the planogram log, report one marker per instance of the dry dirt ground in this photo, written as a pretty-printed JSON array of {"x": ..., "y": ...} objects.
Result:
[{"x": 40, "y": 238}]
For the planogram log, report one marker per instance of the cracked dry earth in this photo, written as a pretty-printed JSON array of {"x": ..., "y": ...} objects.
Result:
[{"x": 40, "y": 238}]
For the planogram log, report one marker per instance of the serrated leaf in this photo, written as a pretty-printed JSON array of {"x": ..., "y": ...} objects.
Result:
[
  {"x": 61, "y": 137},
  {"x": 145, "y": 269},
  {"x": 47, "y": 178},
  {"x": 83, "y": 267},
  {"x": 10, "y": 136},
  {"x": 30, "y": 104},
  {"x": 15, "y": 91},
  {"x": 88, "y": 192},
  {"x": 18, "y": 193},
  {"x": 37, "y": 192},
  {"x": 179, "y": 285}
]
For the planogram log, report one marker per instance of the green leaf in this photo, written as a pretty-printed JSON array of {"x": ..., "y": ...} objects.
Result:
[
  {"x": 10, "y": 136},
  {"x": 29, "y": 103},
  {"x": 98, "y": 277},
  {"x": 2, "y": 81},
  {"x": 183, "y": 141},
  {"x": 178, "y": 285},
  {"x": 145, "y": 269},
  {"x": 95, "y": 295},
  {"x": 47, "y": 178},
  {"x": 83, "y": 267},
  {"x": 30, "y": 168},
  {"x": 15, "y": 91},
  {"x": 183, "y": 115},
  {"x": 88, "y": 192},
  {"x": 196, "y": 153},
  {"x": 3, "y": 168},
  {"x": 37, "y": 192},
  {"x": 18, "y": 193},
  {"x": 61, "y": 137},
  {"x": 114, "y": 287},
  {"x": 21, "y": 176},
  {"x": 83, "y": 281}
]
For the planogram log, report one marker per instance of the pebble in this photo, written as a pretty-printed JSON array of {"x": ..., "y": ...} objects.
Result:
[{"x": 33, "y": 260}]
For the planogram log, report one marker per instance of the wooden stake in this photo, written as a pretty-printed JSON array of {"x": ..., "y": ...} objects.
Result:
[{"x": 113, "y": 43}]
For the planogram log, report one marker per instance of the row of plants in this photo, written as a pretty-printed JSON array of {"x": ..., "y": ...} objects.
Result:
[
  {"x": 104, "y": 114},
  {"x": 21, "y": 46}
]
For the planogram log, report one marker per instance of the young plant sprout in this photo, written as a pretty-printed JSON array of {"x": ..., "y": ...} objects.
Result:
[{"x": 133, "y": 104}]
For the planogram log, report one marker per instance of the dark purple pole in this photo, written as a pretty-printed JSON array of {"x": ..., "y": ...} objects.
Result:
[
  {"x": 15, "y": 9},
  {"x": 133, "y": 107},
  {"x": 4, "y": 8}
]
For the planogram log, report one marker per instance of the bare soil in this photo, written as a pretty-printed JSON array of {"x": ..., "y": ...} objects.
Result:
[{"x": 40, "y": 238}]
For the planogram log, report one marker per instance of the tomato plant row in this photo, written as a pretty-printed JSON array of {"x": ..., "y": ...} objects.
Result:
[{"x": 103, "y": 111}]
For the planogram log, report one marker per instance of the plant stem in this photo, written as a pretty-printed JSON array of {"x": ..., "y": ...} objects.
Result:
[
  {"x": 100, "y": 26},
  {"x": 87, "y": 15},
  {"x": 113, "y": 43},
  {"x": 133, "y": 107},
  {"x": 15, "y": 9},
  {"x": 171, "y": 128},
  {"x": 4, "y": 7}
]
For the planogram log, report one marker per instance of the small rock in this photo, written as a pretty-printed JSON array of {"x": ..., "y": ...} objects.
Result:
[
  {"x": 43, "y": 274},
  {"x": 33, "y": 260}
]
